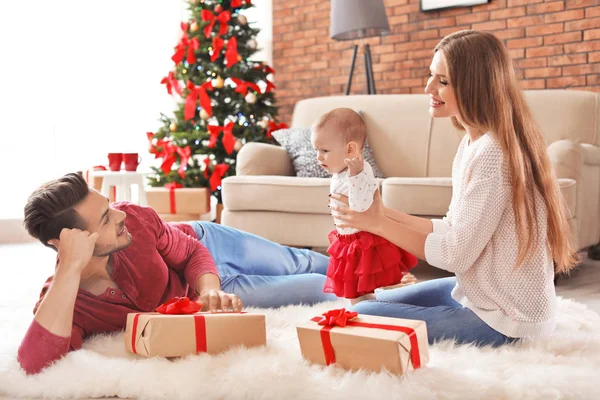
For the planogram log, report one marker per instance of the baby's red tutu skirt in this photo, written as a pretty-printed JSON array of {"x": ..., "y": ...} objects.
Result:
[{"x": 361, "y": 262}]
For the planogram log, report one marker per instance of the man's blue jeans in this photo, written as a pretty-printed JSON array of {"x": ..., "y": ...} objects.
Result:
[{"x": 263, "y": 273}]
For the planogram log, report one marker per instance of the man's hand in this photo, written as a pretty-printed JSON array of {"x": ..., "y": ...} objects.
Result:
[
  {"x": 213, "y": 300},
  {"x": 75, "y": 248},
  {"x": 355, "y": 165}
]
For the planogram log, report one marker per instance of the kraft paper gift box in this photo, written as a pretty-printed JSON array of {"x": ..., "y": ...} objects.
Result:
[
  {"x": 179, "y": 217},
  {"x": 155, "y": 334},
  {"x": 179, "y": 200},
  {"x": 365, "y": 342}
]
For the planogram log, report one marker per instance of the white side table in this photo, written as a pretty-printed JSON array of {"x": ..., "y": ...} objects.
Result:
[{"x": 123, "y": 181}]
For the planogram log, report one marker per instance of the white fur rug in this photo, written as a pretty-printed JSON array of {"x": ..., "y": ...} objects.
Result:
[{"x": 563, "y": 366}]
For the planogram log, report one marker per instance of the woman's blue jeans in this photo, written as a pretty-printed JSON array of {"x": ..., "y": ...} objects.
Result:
[
  {"x": 263, "y": 273},
  {"x": 430, "y": 301}
]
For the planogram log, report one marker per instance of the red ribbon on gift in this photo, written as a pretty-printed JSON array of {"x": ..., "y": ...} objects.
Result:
[
  {"x": 223, "y": 19},
  {"x": 343, "y": 318},
  {"x": 228, "y": 138},
  {"x": 179, "y": 305},
  {"x": 195, "y": 93},
  {"x": 172, "y": 203},
  {"x": 243, "y": 86},
  {"x": 171, "y": 83},
  {"x": 273, "y": 126},
  {"x": 231, "y": 54}
]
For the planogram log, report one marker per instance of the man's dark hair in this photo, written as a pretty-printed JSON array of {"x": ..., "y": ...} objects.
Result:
[{"x": 50, "y": 208}]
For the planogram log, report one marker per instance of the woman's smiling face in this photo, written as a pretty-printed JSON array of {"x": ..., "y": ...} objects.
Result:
[{"x": 442, "y": 103}]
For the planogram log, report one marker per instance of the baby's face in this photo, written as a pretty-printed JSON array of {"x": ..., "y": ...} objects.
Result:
[{"x": 331, "y": 150}]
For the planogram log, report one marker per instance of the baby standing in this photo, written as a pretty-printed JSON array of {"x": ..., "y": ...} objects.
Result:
[{"x": 359, "y": 261}]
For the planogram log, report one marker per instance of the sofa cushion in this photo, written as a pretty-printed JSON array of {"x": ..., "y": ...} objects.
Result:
[
  {"x": 297, "y": 143},
  {"x": 432, "y": 196},
  {"x": 276, "y": 193}
]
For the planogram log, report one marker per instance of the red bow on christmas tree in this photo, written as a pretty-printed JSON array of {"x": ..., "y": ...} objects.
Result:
[
  {"x": 243, "y": 86},
  {"x": 196, "y": 92},
  {"x": 339, "y": 317},
  {"x": 185, "y": 153},
  {"x": 231, "y": 54},
  {"x": 191, "y": 46},
  {"x": 171, "y": 83},
  {"x": 238, "y": 3},
  {"x": 273, "y": 126},
  {"x": 228, "y": 138},
  {"x": 270, "y": 86},
  {"x": 179, "y": 305},
  {"x": 223, "y": 19},
  {"x": 217, "y": 174}
]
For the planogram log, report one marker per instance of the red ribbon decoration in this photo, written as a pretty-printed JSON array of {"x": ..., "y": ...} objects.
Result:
[
  {"x": 172, "y": 203},
  {"x": 185, "y": 153},
  {"x": 273, "y": 126},
  {"x": 265, "y": 68},
  {"x": 191, "y": 46},
  {"x": 343, "y": 318},
  {"x": 171, "y": 83},
  {"x": 228, "y": 138},
  {"x": 217, "y": 46},
  {"x": 196, "y": 92},
  {"x": 231, "y": 54},
  {"x": 217, "y": 175},
  {"x": 270, "y": 86},
  {"x": 223, "y": 19},
  {"x": 243, "y": 86},
  {"x": 179, "y": 305},
  {"x": 236, "y": 3},
  {"x": 206, "y": 164}
]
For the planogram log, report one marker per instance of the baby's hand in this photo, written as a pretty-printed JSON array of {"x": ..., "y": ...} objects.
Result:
[{"x": 355, "y": 165}]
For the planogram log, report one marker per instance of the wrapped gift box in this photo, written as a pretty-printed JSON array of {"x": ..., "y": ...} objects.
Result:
[
  {"x": 154, "y": 334},
  {"x": 179, "y": 200},
  {"x": 365, "y": 342},
  {"x": 179, "y": 217}
]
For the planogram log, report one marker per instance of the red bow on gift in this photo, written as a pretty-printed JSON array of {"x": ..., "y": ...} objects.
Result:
[
  {"x": 231, "y": 54},
  {"x": 228, "y": 138},
  {"x": 196, "y": 92},
  {"x": 179, "y": 305},
  {"x": 171, "y": 83},
  {"x": 185, "y": 43},
  {"x": 223, "y": 19},
  {"x": 339, "y": 317},
  {"x": 243, "y": 86},
  {"x": 273, "y": 126}
]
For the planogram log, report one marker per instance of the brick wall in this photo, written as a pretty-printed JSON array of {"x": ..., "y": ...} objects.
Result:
[{"x": 555, "y": 44}]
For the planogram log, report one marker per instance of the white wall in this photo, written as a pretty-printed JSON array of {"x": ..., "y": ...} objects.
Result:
[{"x": 81, "y": 79}]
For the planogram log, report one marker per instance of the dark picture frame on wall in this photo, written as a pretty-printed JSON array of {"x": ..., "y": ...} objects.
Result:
[{"x": 436, "y": 5}]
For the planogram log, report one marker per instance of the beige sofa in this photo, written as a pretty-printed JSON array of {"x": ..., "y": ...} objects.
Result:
[{"x": 415, "y": 152}]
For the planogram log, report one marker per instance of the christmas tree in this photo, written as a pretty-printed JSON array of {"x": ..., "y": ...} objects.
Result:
[{"x": 224, "y": 98}]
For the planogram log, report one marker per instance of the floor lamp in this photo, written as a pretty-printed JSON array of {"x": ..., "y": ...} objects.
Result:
[{"x": 359, "y": 19}]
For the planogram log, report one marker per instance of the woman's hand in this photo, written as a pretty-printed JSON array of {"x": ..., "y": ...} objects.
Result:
[
  {"x": 213, "y": 300},
  {"x": 368, "y": 221}
]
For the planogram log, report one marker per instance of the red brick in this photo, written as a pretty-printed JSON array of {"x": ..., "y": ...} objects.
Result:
[
  {"x": 510, "y": 33},
  {"x": 562, "y": 38},
  {"x": 508, "y": 13},
  {"x": 542, "y": 72},
  {"x": 471, "y": 18},
  {"x": 593, "y": 45},
  {"x": 412, "y": 27},
  {"x": 546, "y": 8},
  {"x": 490, "y": 26},
  {"x": 591, "y": 34},
  {"x": 391, "y": 58},
  {"x": 593, "y": 80},
  {"x": 429, "y": 34},
  {"x": 569, "y": 59},
  {"x": 438, "y": 23},
  {"x": 545, "y": 51},
  {"x": 533, "y": 84},
  {"x": 515, "y": 54},
  {"x": 455, "y": 11},
  {"x": 592, "y": 88},
  {"x": 320, "y": 49},
  {"x": 412, "y": 82},
  {"x": 545, "y": 29},
  {"x": 382, "y": 49},
  {"x": 397, "y": 38},
  {"x": 526, "y": 21},
  {"x": 446, "y": 31},
  {"x": 581, "y": 3},
  {"x": 594, "y": 57},
  {"x": 564, "y": 16},
  {"x": 532, "y": 62},
  {"x": 492, "y": 5},
  {"x": 397, "y": 75},
  {"x": 398, "y": 19},
  {"x": 565, "y": 81},
  {"x": 294, "y": 52},
  {"x": 406, "y": 9},
  {"x": 514, "y": 3},
  {"x": 399, "y": 47},
  {"x": 390, "y": 3},
  {"x": 582, "y": 24},
  {"x": 380, "y": 67},
  {"x": 592, "y": 12},
  {"x": 584, "y": 69},
  {"x": 526, "y": 42},
  {"x": 417, "y": 54}
]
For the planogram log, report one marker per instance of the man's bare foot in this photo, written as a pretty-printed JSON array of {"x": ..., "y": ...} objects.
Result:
[{"x": 370, "y": 296}]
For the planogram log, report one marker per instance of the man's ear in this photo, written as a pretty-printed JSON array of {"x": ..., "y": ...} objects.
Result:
[{"x": 54, "y": 243}]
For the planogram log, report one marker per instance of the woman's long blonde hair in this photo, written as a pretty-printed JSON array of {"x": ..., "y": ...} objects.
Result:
[{"x": 489, "y": 98}]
